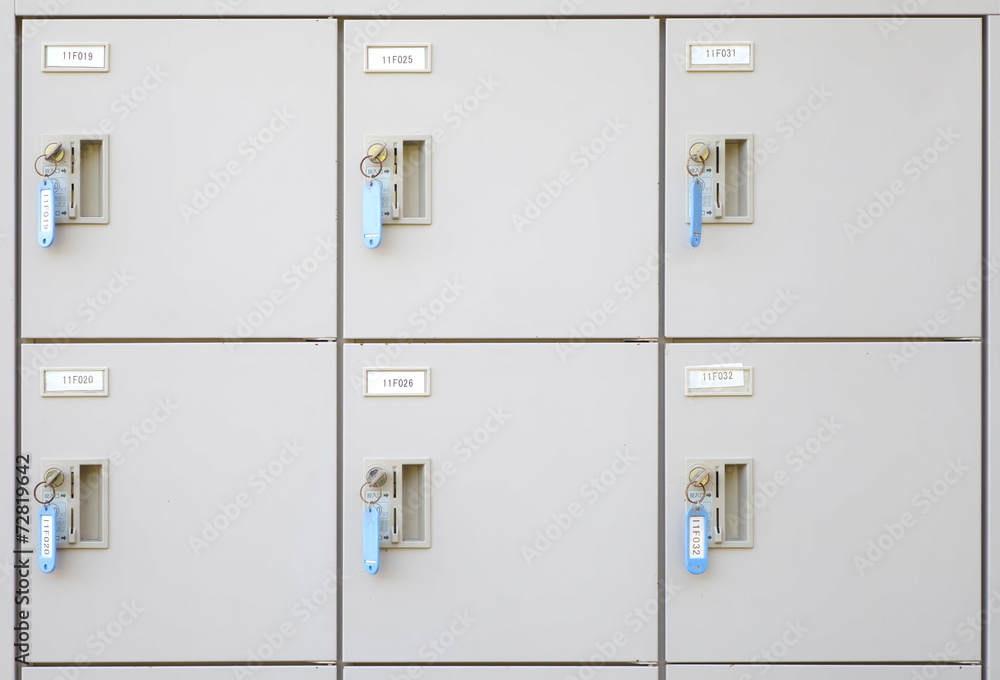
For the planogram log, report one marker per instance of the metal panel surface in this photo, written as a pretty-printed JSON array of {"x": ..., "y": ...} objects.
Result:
[
  {"x": 543, "y": 506},
  {"x": 220, "y": 495},
  {"x": 543, "y": 183},
  {"x": 867, "y": 172},
  {"x": 221, "y": 136},
  {"x": 865, "y": 506}
]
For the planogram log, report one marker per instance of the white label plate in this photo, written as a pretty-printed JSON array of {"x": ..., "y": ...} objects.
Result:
[
  {"x": 696, "y": 547},
  {"x": 731, "y": 56},
  {"x": 723, "y": 380},
  {"x": 398, "y": 58},
  {"x": 74, "y": 382},
  {"x": 397, "y": 382},
  {"x": 75, "y": 57}
]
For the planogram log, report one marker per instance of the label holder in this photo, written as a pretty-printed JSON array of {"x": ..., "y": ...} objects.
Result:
[
  {"x": 100, "y": 382},
  {"x": 723, "y": 390},
  {"x": 421, "y": 63},
  {"x": 103, "y": 67},
  {"x": 419, "y": 374}
]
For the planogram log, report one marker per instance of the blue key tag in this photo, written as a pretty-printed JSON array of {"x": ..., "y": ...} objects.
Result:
[
  {"x": 696, "y": 543},
  {"x": 47, "y": 538},
  {"x": 370, "y": 533},
  {"x": 371, "y": 217},
  {"x": 694, "y": 203},
  {"x": 46, "y": 214}
]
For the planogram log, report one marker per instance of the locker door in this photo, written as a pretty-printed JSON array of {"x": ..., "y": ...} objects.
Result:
[
  {"x": 541, "y": 505},
  {"x": 220, "y": 155},
  {"x": 863, "y": 499},
  {"x": 791, "y": 672},
  {"x": 866, "y": 181},
  {"x": 219, "y": 466},
  {"x": 179, "y": 673},
  {"x": 527, "y": 181},
  {"x": 500, "y": 673}
]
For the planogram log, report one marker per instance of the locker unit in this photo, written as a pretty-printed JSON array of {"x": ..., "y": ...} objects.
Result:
[
  {"x": 514, "y": 173},
  {"x": 487, "y": 443},
  {"x": 218, "y": 466},
  {"x": 866, "y": 171},
  {"x": 501, "y": 673},
  {"x": 178, "y": 673},
  {"x": 542, "y": 474},
  {"x": 864, "y": 502},
  {"x": 793, "y": 672},
  {"x": 197, "y": 167}
]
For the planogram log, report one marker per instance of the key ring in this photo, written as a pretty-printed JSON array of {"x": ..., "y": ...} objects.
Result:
[
  {"x": 51, "y": 488},
  {"x": 687, "y": 493},
  {"x": 700, "y": 169},
  {"x": 366, "y": 158},
  {"x": 44, "y": 174},
  {"x": 361, "y": 492}
]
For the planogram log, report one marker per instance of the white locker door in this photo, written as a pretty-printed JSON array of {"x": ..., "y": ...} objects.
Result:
[
  {"x": 540, "y": 173},
  {"x": 542, "y": 505},
  {"x": 220, "y": 156},
  {"x": 220, "y": 505},
  {"x": 864, "y": 504},
  {"x": 867, "y": 183}
]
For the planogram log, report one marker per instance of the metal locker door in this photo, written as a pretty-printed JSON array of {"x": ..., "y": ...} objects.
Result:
[
  {"x": 204, "y": 159},
  {"x": 500, "y": 673},
  {"x": 863, "y": 499},
  {"x": 181, "y": 673},
  {"x": 866, "y": 179},
  {"x": 525, "y": 156},
  {"x": 791, "y": 672},
  {"x": 213, "y": 468},
  {"x": 539, "y": 506}
]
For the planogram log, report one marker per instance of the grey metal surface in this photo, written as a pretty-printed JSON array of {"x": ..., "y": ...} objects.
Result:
[
  {"x": 8, "y": 332},
  {"x": 502, "y": 673},
  {"x": 188, "y": 673},
  {"x": 222, "y": 509},
  {"x": 792, "y": 672},
  {"x": 867, "y": 506},
  {"x": 712, "y": 10},
  {"x": 222, "y": 168},
  {"x": 853, "y": 124},
  {"x": 543, "y": 506},
  {"x": 544, "y": 183}
]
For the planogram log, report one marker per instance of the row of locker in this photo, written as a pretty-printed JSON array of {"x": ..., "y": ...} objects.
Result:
[
  {"x": 513, "y": 673},
  {"x": 219, "y": 522},
  {"x": 209, "y": 162}
]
